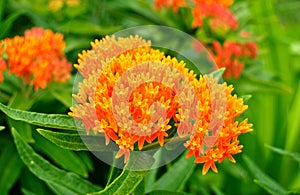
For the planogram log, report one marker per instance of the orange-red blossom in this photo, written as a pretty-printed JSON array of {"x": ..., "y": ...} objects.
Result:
[
  {"x": 106, "y": 64},
  {"x": 37, "y": 57}
]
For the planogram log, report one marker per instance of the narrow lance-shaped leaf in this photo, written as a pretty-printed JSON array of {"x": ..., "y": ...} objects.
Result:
[
  {"x": 294, "y": 155},
  {"x": 128, "y": 180},
  {"x": 65, "y": 159},
  {"x": 176, "y": 176},
  {"x": 48, "y": 172},
  {"x": 77, "y": 142},
  {"x": 263, "y": 180},
  {"x": 58, "y": 121}
]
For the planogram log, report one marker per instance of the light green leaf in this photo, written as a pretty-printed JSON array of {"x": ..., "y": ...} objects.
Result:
[
  {"x": 218, "y": 73},
  {"x": 294, "y": 155},
  {"x": 58, "y": 121},
  {"x": 2, "y": 128},
  {"x": 11, "y": 167},
  {"x": 49, "y": 173},
  {"x": 127, "y": 181},
  {"x": 66, "y": 159},
  {"x": 176, "y": 176},
  {"x": 263, "y": 180},
  {"x": 74, "y": 141}
]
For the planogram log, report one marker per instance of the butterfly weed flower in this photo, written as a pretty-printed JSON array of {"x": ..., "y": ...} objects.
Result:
[
  {"x": 231, "y": 55},
  {"x": 135, "y": 96},
  {"x": 37, "y": 57}
]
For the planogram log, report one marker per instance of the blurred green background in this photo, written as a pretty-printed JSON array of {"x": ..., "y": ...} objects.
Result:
[{"x": 273, "y": 80}]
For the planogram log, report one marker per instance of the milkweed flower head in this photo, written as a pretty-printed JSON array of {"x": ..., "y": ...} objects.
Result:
[
  {"x": 217, "y": 14},
  {"x": 37, "y": 57},
  {"x": 231, "y": 54},
  {"x": 135, "y": 96}
]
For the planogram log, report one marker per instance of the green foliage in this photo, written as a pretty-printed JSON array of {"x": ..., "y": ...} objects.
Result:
[
  {"x": 58, "y": 121},
  {"x": 66, "y": 182}
]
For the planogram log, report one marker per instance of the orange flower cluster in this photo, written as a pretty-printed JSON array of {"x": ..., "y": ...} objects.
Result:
[
  {"x": 3, "y": 65},
  {"x": 37, "y": 57},
  {"x": 230, "y": 54},
  {"x": 114, "y": 66},
  {"x": 217, "y": 14},
  {"x": 175, "y": 4},
  {"x": 215, "y": 11}
]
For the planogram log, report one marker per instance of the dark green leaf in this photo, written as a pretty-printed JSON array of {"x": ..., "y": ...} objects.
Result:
[
  {"x": 64, "y": 158},
  {"x": 11, "y": 167},
  {"x": 176, "y": 176},
  {"x": 27, "y": 192},
  {"x": 32, "y": 184},
  {"x": 49, "y": 173},
  {"x": 7, "y": 24},
  {"x": 165, "y": 192},
  {"x": 263, "y": 180},
  {"x": 2, "y": 8},
  {"x": 294, "y": 155},
  {"x": 58, "y": 121}
]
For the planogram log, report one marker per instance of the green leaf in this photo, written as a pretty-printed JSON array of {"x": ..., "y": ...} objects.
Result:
[
  {"x": 218, "y": 73},
  {"x": 2, "y": 8},
  {"x": 27, "y": 192},
  {"x": 58, "y": 121},
  {"x": 294, "y": 155},
  {"x": 176, "y": 176},
  {"x": 63, "y": 96},
  {"x": 49, "y": 173},
  {"x": 263, "y": 180},
  {"x": 66, "y": 159},
  {"x": 2, "y": 128},
  {"x": 58, "y": 189},
  {"x": 31, "y": 183},
  {"x": 84, "y": 27},
  {"x": 165, "y": 192},
  {"x": 7, "y": 24},
  {"x": 127, "y": 181},
  {"x": 74, "y": 141},
  {"x": 11, "y": 167}
]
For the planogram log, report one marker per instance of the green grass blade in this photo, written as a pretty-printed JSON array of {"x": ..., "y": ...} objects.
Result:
[
  {"x": 263, "y": 180},
  {"x": 58, "y": 121},
  {"x": 294, "y": 155},
  {"x": 49, "y": 173}
]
